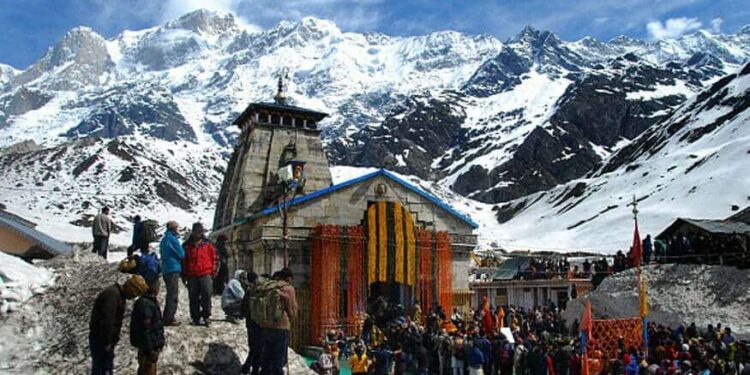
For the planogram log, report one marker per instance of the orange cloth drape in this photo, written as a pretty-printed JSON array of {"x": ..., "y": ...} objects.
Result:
[
  {"x": 444, "y": 270},
  {"x": 425, "y": 281},
  {"x": 355, "y": 298},
  {"x": 325, "y": 280}
]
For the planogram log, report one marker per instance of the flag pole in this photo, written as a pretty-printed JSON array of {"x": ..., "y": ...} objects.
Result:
[{"x": 640, "y": 283}]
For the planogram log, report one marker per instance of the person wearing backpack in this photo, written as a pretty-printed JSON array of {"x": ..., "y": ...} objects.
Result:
[
  {"x": 144, "y": 233},
  {"x": 274, "y": 306},
  {"x": 147, "y": 330},
  {"x": 255, "y": 349},
  {"x": 200, "y": 265},
  {"x": 172, "y": 254}
]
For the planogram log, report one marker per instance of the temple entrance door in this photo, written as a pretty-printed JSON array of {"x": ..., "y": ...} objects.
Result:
[{"x": 391, "y": 254}]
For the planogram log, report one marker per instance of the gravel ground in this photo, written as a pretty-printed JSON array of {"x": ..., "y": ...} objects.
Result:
[
  {"x": 49, "y": 334},
  {"x": 677, "y": 293}
]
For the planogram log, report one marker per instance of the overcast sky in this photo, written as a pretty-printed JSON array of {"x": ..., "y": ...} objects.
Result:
[{"x": 30, "y": 26}]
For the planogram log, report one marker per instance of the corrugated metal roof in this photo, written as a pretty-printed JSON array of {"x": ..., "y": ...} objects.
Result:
[
  {"x": 509, "y": 269},
  {"x": 41, "y": 239},
  {"x": 380, "y": 172},
  {"x": 743, "y": 216},
  {"x": 720, "y": 226}
]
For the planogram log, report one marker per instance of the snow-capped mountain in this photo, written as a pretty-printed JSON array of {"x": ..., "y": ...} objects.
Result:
[
  {"x": 488, "y": 120},
  {"x": 692, "y": 164},
  {"x": 536, "y": 115}
]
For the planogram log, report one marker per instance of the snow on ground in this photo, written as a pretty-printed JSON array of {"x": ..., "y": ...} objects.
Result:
[
  {"x": 691, "y": 165},
  {"x": 49, "y": 334},
  {"x": 677, "y": 294},
  {"x": 19, "y": 281}
]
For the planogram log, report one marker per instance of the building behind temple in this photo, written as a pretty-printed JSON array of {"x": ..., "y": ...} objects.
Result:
[{"x": 375, "y": 235}]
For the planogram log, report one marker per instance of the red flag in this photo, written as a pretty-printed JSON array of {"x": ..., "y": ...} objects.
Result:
[
  {"x": 587, "y": 327},
  {"x": 637, "y": 252},
  {"x": 587, "y": 322}
]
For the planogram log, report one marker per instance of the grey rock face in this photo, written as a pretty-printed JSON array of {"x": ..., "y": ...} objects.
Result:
[
  {"x": 412, "y": 137},
  {"x": 21, "y": 101},
  {"x": 80, "y": 58},
  {"x": 128, "y": 110}
]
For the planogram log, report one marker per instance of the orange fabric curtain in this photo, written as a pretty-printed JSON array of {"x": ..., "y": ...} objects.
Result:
[
  {"x": 325, "y": 279},
  {"x": 355, "y": 299},
  {"x": 425, "y": 280},
  {"x": 444, "y": 270}
]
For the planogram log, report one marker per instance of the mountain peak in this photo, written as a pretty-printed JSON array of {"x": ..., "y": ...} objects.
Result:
[
  {"x": 204, "y": 21},
  {"x": 745, "y": 30},
  {"x": 535, "y": 38},
  {"x": 624, "y": 40}
]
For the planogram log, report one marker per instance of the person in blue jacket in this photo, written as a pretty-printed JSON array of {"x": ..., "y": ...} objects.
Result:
[{"x": 172, "y": 253}]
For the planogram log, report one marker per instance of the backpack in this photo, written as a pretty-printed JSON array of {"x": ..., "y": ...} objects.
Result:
[
  {"x": 266, "y": 302},
  {"x": 149, "y": 233},
  {"x": 148, "y": 266}
]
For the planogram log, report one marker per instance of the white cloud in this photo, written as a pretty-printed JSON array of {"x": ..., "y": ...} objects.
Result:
[
  {"x": 716, "y": 25},
  {"x": 672, "y": 28},
  {"x": 176, "y": 8}
]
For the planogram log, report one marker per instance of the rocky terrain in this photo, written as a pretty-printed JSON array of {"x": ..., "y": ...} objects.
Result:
[
  {"x": 49, "y": 333},
  {"x": 678, "y": 294}
]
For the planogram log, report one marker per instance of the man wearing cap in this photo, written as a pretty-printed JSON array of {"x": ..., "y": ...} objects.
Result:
[
  {"x": 171, "y": 253},
  {"x": 106, "y": 322},
  {"x": 201, "y": 264}
]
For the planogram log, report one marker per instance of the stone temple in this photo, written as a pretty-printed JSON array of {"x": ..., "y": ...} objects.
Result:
[{"x": 375, "y": 235}]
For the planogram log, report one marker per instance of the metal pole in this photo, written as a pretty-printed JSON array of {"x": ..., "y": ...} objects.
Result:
[{"x": 284, "y": 235}]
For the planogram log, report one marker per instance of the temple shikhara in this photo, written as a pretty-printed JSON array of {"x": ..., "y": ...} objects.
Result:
[{"x": 373, "y": 236}]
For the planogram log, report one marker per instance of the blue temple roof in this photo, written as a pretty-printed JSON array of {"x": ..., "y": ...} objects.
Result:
[{"x": 381, "y": 172}]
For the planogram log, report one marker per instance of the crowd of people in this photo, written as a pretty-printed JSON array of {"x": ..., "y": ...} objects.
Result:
[
  {"x": 267, "y": 303},
  {"x": 511, "y": 340},
  {"x": 504, "y": 340}
]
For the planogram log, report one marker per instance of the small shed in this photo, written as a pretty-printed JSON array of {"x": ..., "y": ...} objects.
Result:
[
  {"x": 696, "y": 227},
  {"x": 711, "y": 241},
  {"x": 20, "y": 237}
]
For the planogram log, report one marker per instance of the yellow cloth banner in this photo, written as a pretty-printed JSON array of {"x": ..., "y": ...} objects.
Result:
[
  {"x": 411, "y": 251},
  {"x": 398, "y": 230},
  {"x": 382, "y": 243},
  {"x": 372, "y": 241}
]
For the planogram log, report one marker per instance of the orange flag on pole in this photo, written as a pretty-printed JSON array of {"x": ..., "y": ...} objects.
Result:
[
  {"x": 587, "y": 326},
  {"x": 637, "y": 254}
]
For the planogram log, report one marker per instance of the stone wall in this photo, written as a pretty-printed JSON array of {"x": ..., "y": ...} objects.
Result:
[{"x": 251, "y": 181}]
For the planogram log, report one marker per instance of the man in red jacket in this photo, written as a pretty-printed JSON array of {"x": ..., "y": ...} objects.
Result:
[{"x": 199, "y": 267}]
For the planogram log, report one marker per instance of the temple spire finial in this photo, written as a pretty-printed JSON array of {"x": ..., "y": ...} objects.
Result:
[{"x": 280, "y": 97}]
